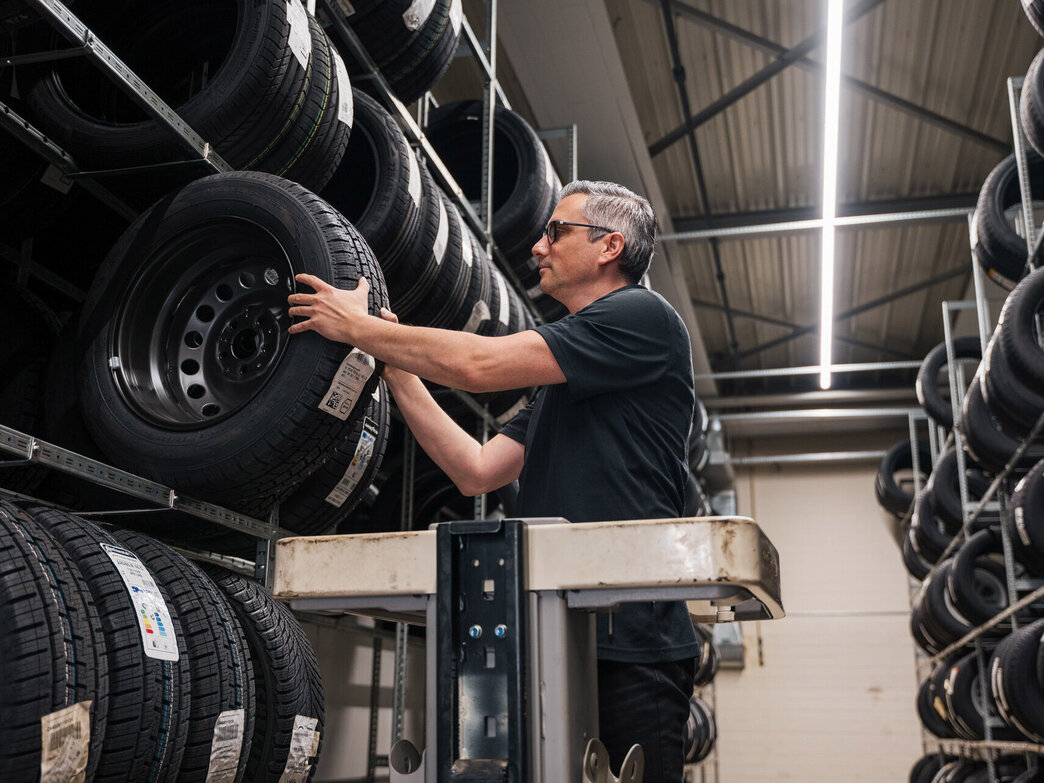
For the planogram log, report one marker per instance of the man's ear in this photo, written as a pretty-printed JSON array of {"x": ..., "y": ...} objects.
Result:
[{"x": 613, "y": 247}]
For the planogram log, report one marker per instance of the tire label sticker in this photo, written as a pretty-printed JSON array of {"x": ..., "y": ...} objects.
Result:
[
  {"x": 157, "y": 630},
  {"x": 300, "y": 36},
  {"x": 549, "y": 170},
  {"x": 414, "y": 186},
  {"x": 502, "y": 285},
  {"x": 442, "y": 237},
  {"x": 345, "y": 104},
  {"x": 457, "y": 14},
  {"x": 479, "y": 313},
  {"x": 466, "y": 250},
  {"x": 417, "y": 14},
  {"x": 65, "y": 741},
  {"x": 360, "y": 460},
  {"x": 348, "y": 383},
  {"x": 226, "y": 747},
  {"x": 304, "y": 744},
  {"x": 1020, "y": 526}
]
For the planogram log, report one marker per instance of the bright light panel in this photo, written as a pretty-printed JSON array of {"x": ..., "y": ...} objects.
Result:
[{"x": 831, "y": 123}]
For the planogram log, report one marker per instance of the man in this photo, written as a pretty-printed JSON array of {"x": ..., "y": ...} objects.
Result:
[{"x": 605, "y": 438}]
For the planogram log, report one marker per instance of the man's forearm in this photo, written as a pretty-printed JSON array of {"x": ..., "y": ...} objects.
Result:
[{"x": 450, "y": 447}]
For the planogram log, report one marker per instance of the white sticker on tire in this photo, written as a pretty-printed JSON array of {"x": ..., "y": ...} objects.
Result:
[
  {"x": 1020, "y": 526},
  {"x": 65, "y": 737},
  {"x": 479, "y": 313},
  {"x": 53, "y": 178},
  {"x": 304, "y": 744},
  {"x": 442, "y": 237},
  {"x": 345, "y": 104},
  {"x": 348, "y": 384},
  {"x": 157, "y": 630},
  {"x": 467, "y": 252},
  {"x": 549, "y": 170},
  {"x": 353, "y": 475},
  {"x": 300, "y": 36},
  {"x": 457, "y": 15},
  {"x": 226, "y": 746},
  {"x": 502, "y": 285},
  {"x": 414, "y": 186},
  {"x": 417, "y": 14}
]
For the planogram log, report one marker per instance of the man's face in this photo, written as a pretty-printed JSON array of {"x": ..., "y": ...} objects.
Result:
[{"x": 572, "y": 259}]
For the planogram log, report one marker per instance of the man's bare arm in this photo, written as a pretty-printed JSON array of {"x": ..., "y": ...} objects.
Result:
[
  {"x": 475, "y": 468},
  {"x": 456, "y": 359}
]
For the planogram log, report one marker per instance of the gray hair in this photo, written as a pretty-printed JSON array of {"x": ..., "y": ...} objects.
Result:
[{"x": 622, "y": 210}]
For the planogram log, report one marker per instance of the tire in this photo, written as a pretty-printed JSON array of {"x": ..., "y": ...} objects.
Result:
[
  {"x": 926, "y": 767},
  {"x": 935, "y": 620},
  {"x": 968, "y": 711},
  {"x": 423, "y": 62},
  {"x": 149, "y": 698},
  {"x": 928, "y": 535},
  {"x": 975, "y": 583},
  {"x": 525, "y": 186},
  {"x": 701, "y": 731},
  {"x": 54, "y": 655},
  {"x": 1015, "y": 681},
  {"x": 440, "y": 304},
  {"x": 1027, "y": 514},
  {"x": 168, "y": 281},
  {"x": 1018, "y": 330},
  {"x": 986, "y": 440},
  {"x": 378, "y": 185},
  {"x": 926, "y": 711},
  {"x": 222, "y": 692},
  {"x": 332, "y": 491},
  {"x": 1031, "y": 104},
  {"x": 310, "y": 151},
  {"x": 999, "y": 250},
  {"x": 289, "y": 691},
  {"x": 915, "y": 565},
  {"x": 946, "y": 490},
  {"x": 257, "y": 55},
  {"x": 890, "y": 495},
  {"x": 935, "y": 405},
  {"x": 1035, "y": 13},
  {"x": 1016, "y": 406}
]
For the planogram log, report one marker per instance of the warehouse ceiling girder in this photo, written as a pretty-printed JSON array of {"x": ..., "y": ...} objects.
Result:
[
  {"x": 882, "y": 96},
  {"x": 701, "y": 182},
  {"x": 857, "y": 310},
  {"x": 790, "y": 325},
  {"x": 780, "y": 64}
]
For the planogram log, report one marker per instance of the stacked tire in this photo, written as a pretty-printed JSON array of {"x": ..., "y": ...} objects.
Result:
[{"x": 126, "y": 662}]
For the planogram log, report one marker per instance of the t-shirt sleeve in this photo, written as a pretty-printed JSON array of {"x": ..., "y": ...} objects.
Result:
[
  {"x": 621, "y": 341},
  {"x": 519, "y": 424}
]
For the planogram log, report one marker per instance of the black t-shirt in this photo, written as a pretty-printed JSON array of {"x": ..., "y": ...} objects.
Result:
[{"x": 610, "y": 444}]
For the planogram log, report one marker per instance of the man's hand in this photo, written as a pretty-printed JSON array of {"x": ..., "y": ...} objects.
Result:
[{"x": 332, "y": 312}]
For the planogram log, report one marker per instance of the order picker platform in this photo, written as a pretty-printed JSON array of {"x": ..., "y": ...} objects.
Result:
[{"x": 511, "y": 689}]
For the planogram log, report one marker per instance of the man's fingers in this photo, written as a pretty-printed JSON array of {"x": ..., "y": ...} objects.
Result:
[
  {"x": 300, "y": 326},
  {"x": 311, "y": 280},
  {"x": 388, "y": 315},
  {"x": 363, "y": 284}
]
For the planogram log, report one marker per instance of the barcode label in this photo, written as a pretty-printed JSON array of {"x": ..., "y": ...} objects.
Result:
[
  {"x": 65, "y": 741},
  {"x": 417, "y": 14},
  {"x": 353, "y": 475},
  {"x": 300, "y": 37},
  {"x": 345, "y": 103},
  {"x": 304, "y": 744},
  {"x": 348, "y": 384},
  {"x": 226, "y": 747}
]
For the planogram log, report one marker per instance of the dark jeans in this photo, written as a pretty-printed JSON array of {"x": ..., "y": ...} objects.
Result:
[{"x": 645, "y": 704}]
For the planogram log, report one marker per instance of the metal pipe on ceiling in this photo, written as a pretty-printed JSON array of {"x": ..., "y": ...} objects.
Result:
[
  {"x": 821, "y": 414},
  {"x": 812, "y": 369},
  {"x": 810, "y": 398},
  {"x": 831, "y": 457}
]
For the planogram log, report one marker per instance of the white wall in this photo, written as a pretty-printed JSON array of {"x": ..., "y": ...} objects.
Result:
[{"x": 827, "y": 693}]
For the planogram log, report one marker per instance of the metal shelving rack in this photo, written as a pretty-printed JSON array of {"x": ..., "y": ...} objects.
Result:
[{"x": 996, "y": 499}]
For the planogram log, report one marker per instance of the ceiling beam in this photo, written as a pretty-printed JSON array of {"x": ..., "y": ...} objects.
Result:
[
  {"x": 781, "y": 63},
  {"x": 939, "y": 208},
  {"x": 857, "y": 310},
  {"x": 700, "y": 303},
  {"x": 774, "y": 49},
  {"x": 701, "y": 183}
]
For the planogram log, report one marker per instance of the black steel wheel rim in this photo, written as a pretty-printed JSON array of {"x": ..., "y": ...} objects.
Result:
[{"x": 203, "y": 326}]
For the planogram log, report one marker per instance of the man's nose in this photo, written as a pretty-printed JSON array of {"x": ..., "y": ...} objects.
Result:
[{"x": 542, "y": 247}]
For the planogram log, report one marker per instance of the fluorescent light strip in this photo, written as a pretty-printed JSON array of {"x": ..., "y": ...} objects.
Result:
[{"x": 831, "y": 123}]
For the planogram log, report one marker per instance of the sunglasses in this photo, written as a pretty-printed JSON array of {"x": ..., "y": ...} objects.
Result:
[{"x": 551, "y": 229}]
